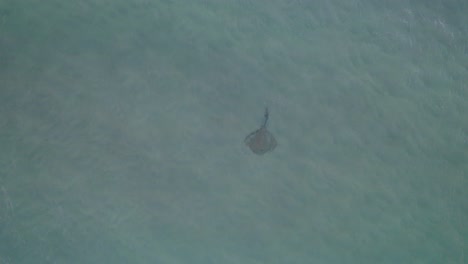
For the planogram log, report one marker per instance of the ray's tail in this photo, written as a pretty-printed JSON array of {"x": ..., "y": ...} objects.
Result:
[{"x": 265, "y": 116}]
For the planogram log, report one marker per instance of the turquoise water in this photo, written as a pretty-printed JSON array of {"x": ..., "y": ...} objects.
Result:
[{"x": 122, "y": 127}]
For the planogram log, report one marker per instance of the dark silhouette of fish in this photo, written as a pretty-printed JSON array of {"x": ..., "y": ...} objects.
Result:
[{"x": 261, "y": 140}]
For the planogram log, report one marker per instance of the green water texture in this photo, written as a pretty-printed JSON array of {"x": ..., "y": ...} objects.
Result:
[{"x": 122, "y": 127}]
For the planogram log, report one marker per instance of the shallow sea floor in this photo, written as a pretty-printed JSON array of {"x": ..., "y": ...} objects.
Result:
[{"x": 122, "y": 127}]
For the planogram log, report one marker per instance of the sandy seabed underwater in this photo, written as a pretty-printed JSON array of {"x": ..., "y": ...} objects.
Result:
[{"x": 122, "y": 126}]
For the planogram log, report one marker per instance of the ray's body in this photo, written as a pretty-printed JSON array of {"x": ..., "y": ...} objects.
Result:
[{"x": 261, "y": 140}]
